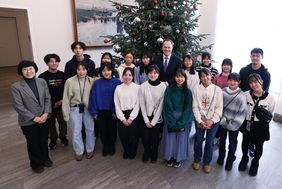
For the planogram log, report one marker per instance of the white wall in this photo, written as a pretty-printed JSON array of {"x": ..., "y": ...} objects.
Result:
[{"x": 51, "y": 27}]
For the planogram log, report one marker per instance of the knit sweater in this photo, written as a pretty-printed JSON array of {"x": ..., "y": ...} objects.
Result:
[
  {"x": 126, "y": 98},
  {"x": 234, "y": 109},
  {"x": 174, "y": 102},
  {"x": 192, "y": 80},
  {"x": 212, "y": 69},
  {"x": 266, "y": 100},
  {"x": 151, "y": 101},
  {"x": 72, "y": 94},
  {"x": 220, "y": 80},
  {"x": 208, "y": 102},
  {"x": 102, "y": 95}
]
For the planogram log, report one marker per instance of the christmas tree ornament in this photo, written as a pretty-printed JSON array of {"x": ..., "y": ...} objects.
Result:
[
  {"x": 118, "y": 7},
  {"x": 136, "y": 19},
  {"x": 160, "y": 40},
  {"x": 116, "y": 48},
  {"x": 177, "y": 31},
  {"x": 107, "y": 40},
  {"x": 145, "y": 44},
  {"x": 134, "y": 34},
  {"x": 121, "y": 19},
  {"x": 167, "y": 29},
  {"x": 195, "y": 6},
  {"x": 129, "y": 9},
  {"x": 162, "y": 14},
  {"x": 170, "y": 14}
]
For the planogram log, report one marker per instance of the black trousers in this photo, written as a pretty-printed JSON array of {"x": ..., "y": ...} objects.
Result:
[
  {"x": 245, "y": 147},
  {"x": 150, "y": 141},
  {"x": 51, "y": 122},
  {"x": 37, "y": 144},
  {"x": 232, "y": 143},
  {"x": 128, "y": 135},
  {"x": 107, "y": 127}
]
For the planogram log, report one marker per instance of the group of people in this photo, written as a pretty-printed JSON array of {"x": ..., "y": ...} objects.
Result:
[{"x": 157, "y": 100}]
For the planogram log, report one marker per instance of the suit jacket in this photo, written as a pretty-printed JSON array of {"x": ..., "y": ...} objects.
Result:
[
  {"x": 173, "y": 64},
  {"x": 25, "y": 102}
]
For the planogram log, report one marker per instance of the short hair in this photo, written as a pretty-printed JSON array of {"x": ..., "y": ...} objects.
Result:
[
  {"x": 152, "y": 68},
  {"x": 26, "y": 63},
  {"x": 206, "y": 54},
  {"x": 257, "y": 51},
  {"x": 128, "y": 69},
  {"x": 205, "y": 71},
  {"x": 128, "y": 52},
  {"x": 234, "y": 76},
  {"x": 83, "y": 64},
  {"x": 48, "y": 57},
  {"x": 103, "y": 66},
  {"x": 168, "y": 40},
  {"x": 81, "y": 44}
]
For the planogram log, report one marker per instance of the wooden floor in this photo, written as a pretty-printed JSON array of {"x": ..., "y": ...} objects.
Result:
[{"x": 114, "y": 172}]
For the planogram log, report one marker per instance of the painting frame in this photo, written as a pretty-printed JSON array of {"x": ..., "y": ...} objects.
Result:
[{"x": 93, "y": 19}]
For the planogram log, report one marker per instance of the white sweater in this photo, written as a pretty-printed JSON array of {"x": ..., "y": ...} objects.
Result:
[
  {"x": 208, "y": 102},
  {"x": 126, "y": 98},
  {"x": 121, "y": 68},
  {"x": 151, "y": 101},
  {"x": 192, "y": 80}
]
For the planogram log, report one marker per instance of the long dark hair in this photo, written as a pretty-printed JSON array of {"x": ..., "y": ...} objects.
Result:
[
  {"x": 109, "y": 54},
  {"x": 173, "y": 86},
  {"x": 143, "y": 68},
  {"x": 192, "y": 68}
]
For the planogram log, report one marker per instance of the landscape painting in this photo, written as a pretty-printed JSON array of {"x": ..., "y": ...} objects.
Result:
[{"x": 96, "y": 18}]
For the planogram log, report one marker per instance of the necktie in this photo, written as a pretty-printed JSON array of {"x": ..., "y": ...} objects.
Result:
[{"x": 165, "y": 63}]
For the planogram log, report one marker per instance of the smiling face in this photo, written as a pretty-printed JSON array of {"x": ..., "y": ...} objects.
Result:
[
  {"x": 167, "y": 48},
  {"x": 107, "y": 73},
  {"x": 145, "y": 60},
  {"x": 255, "y": 85},
  {"x": 256, "y": 58},
  {"x": 81, "y": 71},
  {"x": 233, "y": 84},
  {"x": 127, "y": 77},
  {"x": 153, "y": 75},
  {"x": 188, "y": 63},
  {"x": 205, "y": 79},
  {"x": 226, "y": 68},
  {"x": 179, "y": 79},
  {"x": 106, "y": 59},
  {"x": 28, "y": 72}
]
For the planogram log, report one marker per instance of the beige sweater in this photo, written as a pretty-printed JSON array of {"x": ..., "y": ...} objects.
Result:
[{"x": 72, "y": 95}]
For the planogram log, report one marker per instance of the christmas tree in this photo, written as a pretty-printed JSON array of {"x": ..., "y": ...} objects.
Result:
[{"x": 149, "y": 22}]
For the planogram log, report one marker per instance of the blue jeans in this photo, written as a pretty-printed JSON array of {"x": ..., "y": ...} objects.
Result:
[
  {"x": 75, "y": 122},
  {"x": 199, "y": 139}
]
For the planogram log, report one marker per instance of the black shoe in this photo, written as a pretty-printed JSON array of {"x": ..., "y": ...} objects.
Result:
[
  {"x": 112, "y": 150},
  {"x": 132, "y": 155},
  {"x": 125, "y": 155},
  {"x": 243, "y": 164},
  {"x": 52, "y": 144},
  {"x": 105, "y": 151},
  {"x": 154, "y": 159},
  {"x": 177, "y": 164},
  {"x": 48, "y": 163},
  {"x": 220, "y": 160},
  {"x": 228, "y": 165},
  {"x": 65, "y": 141},
  {"x": 39, "y": 169},
  {"x": 254, "y": 168},
  {"x": 170, "y": 162}
]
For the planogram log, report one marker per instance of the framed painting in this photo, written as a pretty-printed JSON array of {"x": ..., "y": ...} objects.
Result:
[{"x": 96, "y": 18}]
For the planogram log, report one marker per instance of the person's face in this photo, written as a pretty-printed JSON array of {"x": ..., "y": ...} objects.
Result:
[
  {"x": 255, "y": 85},
  {"x": 167, "y": 48},
  {"x": 28, "y": 72},
  {"x": 153, "y": 75},
  {"x": 128, "y": 59},
  {"x": 81, "y": 71},
  {"x": 205, "y": 79},
  {"x": 233, "y": 84},
  {"x": 226, "y": 68},
  {"x": 188, "y": 62},
  {"x": 206, "y": 61},
  {"x": 106, "y": 73},
  {"x": 53, "y": 64},
  {"x": 256, "y": 58},
  {"x": 127, "y": 77},
  {"x": 145, "y": 60},
  {"x": 106, "y": 59},
  {"x": 78, "y": 51},
  {"x": 179, "y": 79}
]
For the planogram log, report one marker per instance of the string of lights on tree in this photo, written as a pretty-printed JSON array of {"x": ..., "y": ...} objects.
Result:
[{"x": 149, "y": 22}]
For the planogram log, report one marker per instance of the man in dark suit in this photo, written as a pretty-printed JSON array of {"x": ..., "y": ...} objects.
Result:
[{"x": 168, "y": 62}]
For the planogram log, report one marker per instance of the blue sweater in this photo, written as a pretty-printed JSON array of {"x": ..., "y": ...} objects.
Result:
[{"x": 102, "y": 95}]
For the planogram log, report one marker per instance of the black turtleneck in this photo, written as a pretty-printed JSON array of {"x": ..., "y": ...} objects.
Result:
[
  {"x": 154, "y": 83},
  {"x": 32, "y": 84}
]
